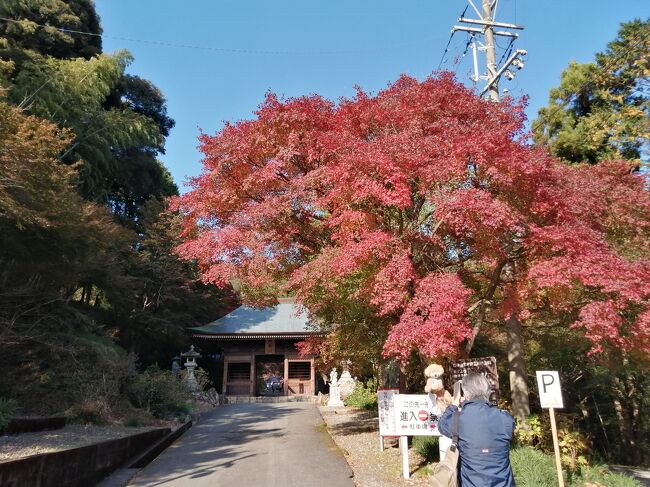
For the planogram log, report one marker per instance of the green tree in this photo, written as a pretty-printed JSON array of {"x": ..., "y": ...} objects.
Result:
[
  {"x": 49, "y": 235},
  {"x": 601, "y": 109},
  {"x": 119, "y": 121},
  {"x": 141, "y": 176},
  {"x": 37, "y": 28},
  {"x": 164, "y": 295},
  {"x": 73, "y": 94}
]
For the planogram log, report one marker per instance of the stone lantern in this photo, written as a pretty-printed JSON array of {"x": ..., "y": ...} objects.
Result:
[{"x": 190, "y": 364}]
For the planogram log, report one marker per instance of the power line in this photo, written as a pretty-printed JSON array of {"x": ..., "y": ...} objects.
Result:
[
  {"x": 507, "y": 50},
  {"x": 223, "y": 49},
  {"x": 442, "y": 58}
]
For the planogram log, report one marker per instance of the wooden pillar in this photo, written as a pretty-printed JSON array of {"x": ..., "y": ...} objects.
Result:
[
  {"x": 286, "y": 376},
  {"x": 253, "y": 382},
  {"x": 312, "y": 377},
  {"x": 225, "y": 375}
]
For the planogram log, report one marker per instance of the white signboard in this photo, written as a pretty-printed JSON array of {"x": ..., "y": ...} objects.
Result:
[
  {"x": 550, "y": 391},
  {"x": 417, "y": 415},
  {"x": 386, "y": 402}
]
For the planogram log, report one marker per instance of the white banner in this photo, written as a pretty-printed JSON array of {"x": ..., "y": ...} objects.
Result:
[{"x": 386, "y": 403}]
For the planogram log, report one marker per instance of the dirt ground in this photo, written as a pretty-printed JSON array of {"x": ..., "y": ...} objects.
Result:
[
  {"x": 356, "y": 433},
  {"x": 13, "y": 447}
]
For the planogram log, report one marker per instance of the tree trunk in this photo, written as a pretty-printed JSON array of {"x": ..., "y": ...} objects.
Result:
[
  {"x": 517, "y": 367},
  {"x": 635, "y": 426},
  {"x": 623, "y": 426}
]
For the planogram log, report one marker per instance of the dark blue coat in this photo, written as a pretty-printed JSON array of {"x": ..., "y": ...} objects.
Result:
[{"x": 484, "y": 444}]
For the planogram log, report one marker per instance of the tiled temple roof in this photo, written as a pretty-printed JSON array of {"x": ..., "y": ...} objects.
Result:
[{"x": 284, "y": 320}]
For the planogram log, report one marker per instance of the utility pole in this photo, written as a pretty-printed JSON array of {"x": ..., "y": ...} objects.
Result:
[
  {"x": 484, "y": 32},
  {"x": 487, "y": 22},
  {"x": 490, "y": 52}
]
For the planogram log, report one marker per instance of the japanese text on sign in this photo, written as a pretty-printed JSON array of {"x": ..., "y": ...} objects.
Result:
[
  {"x": 416, "y": 415},
  {"x": 386, "y": 403},
  {"x": 483, "y": 365}
]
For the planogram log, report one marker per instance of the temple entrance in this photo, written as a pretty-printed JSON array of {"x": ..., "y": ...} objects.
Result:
[{"x": 269, "y": 375}]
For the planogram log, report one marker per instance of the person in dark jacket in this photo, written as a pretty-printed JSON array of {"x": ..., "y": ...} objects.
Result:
[{"x": 484, "y": 436}]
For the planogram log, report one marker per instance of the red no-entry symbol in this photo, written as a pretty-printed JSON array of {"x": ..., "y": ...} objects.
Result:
[{"x": 423, "y": 415}]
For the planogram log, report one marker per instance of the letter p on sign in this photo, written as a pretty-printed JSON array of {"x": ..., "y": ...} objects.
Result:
[{"x": 550, "y": 391}]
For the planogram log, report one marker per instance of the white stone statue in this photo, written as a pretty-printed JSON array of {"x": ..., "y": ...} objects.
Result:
[
  {"x": 334, "y": 381},
  {"x": 335, "y": 391}
]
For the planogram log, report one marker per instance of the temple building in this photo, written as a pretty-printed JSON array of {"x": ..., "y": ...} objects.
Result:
[{"x": 258, "y": 350}]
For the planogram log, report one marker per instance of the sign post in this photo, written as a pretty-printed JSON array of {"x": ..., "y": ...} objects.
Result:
[
  {"x": 415, "y": 415},
  {"x": 550, "y": 396}
]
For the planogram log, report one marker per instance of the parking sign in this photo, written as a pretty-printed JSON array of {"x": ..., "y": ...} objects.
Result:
[{"x": 550, "y": 390}]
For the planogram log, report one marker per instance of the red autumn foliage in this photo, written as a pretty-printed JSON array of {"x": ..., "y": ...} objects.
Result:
[{"x": 434, "y": 200}]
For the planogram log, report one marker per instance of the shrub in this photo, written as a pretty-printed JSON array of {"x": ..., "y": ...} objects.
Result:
[
  {"x": 71, "y": 369},
  {"x": 8, "y": 408},
  {"x": 364, "y": 396},
  {"x": 529, "y": 434},
  {"x": 574, "y": 446},
  {"x": 203, "y": 380},
  {"x": 158, "y": 392},
  {"x": 427, "y": 447},
  {"x": 138, "y": 418},
  {"x": 93, "y": 412}
]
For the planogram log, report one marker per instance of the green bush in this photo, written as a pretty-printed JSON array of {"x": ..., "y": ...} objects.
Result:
[
  {"x": 8, "y": 408},
  {"x": 574, "y": 446},
  {"x": 427, "y": 447},
  {"x": 364, "y": 396},
  {"x": 158, "y": 392},
  {"x": 71, "y": 369},
  {"x": 138, "y": 418},
  {"x": 88, "y": 412}
]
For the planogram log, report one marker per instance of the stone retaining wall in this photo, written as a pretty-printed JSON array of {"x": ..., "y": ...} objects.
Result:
[
  {"x": 27, "y": 424},
  {"x": 77, "y": 467}
]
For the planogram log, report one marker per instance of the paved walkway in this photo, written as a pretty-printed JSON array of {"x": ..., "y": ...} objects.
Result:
[{"x": 241, "y": 445}]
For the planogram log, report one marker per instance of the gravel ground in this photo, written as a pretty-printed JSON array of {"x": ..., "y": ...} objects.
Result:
[
  {"x": 13, "y": 447},
  {"x": 356, "y": 433}
]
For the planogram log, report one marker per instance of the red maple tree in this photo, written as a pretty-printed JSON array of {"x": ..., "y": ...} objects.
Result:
[{"x": 437, "y": 205}]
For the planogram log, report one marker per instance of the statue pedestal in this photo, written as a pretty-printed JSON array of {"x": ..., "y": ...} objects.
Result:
[{"x": 335, "y": 397}]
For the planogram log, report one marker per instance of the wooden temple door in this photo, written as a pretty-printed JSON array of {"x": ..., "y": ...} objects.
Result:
[{"x": 300, "y": 380}]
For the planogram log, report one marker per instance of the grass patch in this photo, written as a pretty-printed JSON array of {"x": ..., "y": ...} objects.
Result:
[
  {"x": 533, "y": 468},
  {"x": 426, "y": 447}
]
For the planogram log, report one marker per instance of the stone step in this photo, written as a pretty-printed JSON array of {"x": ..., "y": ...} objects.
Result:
[{"x": 267, "y": 399}]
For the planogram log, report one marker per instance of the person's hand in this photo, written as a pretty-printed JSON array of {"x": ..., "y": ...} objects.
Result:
[{"x": 457, "y": 394}]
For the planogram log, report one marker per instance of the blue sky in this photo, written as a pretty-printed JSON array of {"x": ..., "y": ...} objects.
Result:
[{"x": 327, "y": 47}]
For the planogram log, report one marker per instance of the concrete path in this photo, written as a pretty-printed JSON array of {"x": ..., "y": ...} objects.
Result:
[{"x": 241, "y": 445}]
